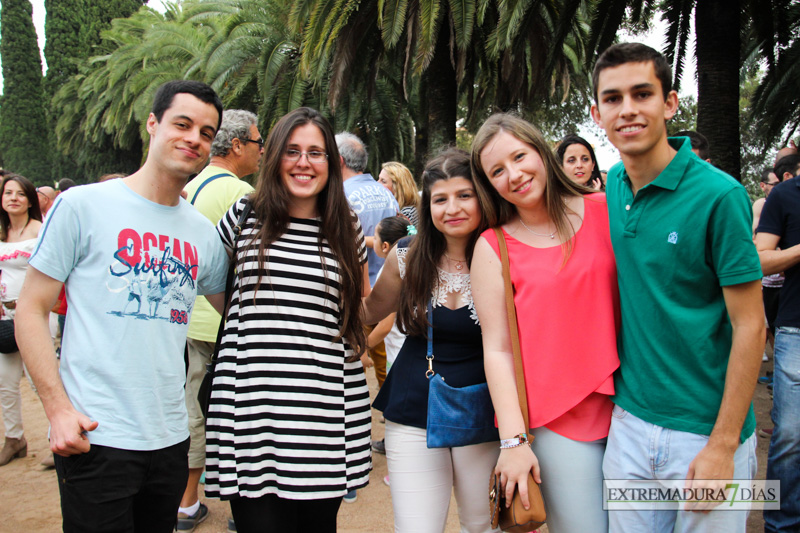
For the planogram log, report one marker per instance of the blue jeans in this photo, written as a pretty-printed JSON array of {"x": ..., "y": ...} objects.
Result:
[
  {"x": 783, "y": 460},
  {"x": 640, "y": 450}
]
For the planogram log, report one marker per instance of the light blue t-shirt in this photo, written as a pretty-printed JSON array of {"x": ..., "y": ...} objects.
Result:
[
  {"x": 372, "y": 202},
  {"x": 132, "y": 270}
]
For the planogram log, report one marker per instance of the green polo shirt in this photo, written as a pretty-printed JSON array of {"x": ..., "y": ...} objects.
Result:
[{"x": 677, "y": 243}]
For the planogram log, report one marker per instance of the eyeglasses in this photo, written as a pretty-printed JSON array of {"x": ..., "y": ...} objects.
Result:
[
  {"x": 259, "y": 142},
  {"x": 772, "y": 183},
  {"x": 313, "y": 156}
]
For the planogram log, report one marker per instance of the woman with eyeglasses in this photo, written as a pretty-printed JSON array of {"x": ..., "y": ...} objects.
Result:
[
  {"x": 288, "y": 427},
  {"x": 20, "y": 221}
]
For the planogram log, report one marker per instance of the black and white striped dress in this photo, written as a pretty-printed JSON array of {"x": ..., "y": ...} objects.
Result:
[{"x": 287, "y": 415}]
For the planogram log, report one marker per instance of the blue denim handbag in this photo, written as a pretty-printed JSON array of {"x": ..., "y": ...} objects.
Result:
[{"x": 456, "y": 416}]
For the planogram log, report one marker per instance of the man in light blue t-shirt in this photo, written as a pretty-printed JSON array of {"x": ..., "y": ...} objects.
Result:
[{"x": 133, "y": 256}]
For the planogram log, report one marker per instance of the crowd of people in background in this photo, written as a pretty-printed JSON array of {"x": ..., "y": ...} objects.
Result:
[{"x": 644, "y": 294}]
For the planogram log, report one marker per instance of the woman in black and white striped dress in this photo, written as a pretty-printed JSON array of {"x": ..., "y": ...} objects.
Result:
[{"x": 288, "y": 429}]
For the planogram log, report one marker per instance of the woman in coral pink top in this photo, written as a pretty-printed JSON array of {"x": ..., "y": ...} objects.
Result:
[{"x": 565, "y": 293}]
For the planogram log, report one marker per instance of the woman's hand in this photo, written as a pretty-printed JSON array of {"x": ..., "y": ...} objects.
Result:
[{"x": 513, "y": 467}]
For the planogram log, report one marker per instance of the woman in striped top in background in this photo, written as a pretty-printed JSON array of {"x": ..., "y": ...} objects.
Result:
[{"x": 288, "y": 430}]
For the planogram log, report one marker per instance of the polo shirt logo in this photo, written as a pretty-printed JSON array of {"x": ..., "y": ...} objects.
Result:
[{"x": 673, "y": 237}]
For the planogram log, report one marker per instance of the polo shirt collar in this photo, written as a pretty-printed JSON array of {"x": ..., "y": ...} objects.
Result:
[{"x": 671, "y": 176}]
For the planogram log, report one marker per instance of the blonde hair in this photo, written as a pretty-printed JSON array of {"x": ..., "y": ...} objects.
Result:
[
  {"x": 405, "y": 190},
  {"x": 559, "y": 187}
]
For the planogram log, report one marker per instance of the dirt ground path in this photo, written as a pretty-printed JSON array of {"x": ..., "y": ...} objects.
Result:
[{"x": 29, "y": 501}]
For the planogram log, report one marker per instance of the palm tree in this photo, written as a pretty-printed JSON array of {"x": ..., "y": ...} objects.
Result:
[
  {"x": 719, "y": 29},
  {"x": 776, "y": 102},
  {"x": 111, "y": 96},
  {"x": 497, "y": 53},
  {"x": 244, "y": 48}
]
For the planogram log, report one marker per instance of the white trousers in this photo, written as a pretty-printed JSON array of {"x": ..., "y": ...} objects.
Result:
[
  {"x": 422, "y": 479},
  {"x": 10, "y": 398}
]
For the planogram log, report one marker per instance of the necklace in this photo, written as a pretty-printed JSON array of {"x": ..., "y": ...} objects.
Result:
[
  {"x": 458, "y": 262},
  {"x": 551, "y": 235}
]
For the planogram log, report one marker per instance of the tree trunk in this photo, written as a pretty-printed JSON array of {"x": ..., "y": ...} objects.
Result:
[
  {"x": 420, "y": 116},
  {"x": 717, "y": 30},
  {"x": 442, "y": 96}
]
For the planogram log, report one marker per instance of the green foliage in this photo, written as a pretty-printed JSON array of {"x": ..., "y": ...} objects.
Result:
[
  {"x": 73, "y": 31},
  {"x": 776, "y": 101},
  {"x": 758, "y": 152},
  {"x": 22, "y": 115},
  {"x": 502, "y": 54},
  {"x": 98, "y": 15},
  {"x": 685, "y": 117}
]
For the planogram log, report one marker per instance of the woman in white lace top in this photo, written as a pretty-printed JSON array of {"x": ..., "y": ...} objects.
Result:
[
  {"x": 20, "y": 220},
  {"x": 434, "y": 268}
]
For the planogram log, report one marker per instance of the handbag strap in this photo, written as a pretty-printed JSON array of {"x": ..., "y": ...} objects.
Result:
[
  {"x": 430, "y": 373},
  {"x": 512, "y": 326},
  {"x": 209, "y": 180},
  {"x": 237, "y": 231}
]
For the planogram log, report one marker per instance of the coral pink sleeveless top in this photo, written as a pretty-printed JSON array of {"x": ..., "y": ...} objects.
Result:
[{"x": 568, "y": 316}]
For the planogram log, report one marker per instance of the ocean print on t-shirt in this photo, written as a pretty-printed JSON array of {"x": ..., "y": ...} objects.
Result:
[{"x": 155, "y": 276}]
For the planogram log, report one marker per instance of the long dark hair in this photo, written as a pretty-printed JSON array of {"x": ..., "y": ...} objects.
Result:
[
  {"x": 426, "y": 250},
  {"x": 568, "y": 141},
  {"x": 271, "y": 207},
  {"x": 34, "y": 211}
]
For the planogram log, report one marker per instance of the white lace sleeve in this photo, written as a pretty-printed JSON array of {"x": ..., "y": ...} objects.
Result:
[{"x": 401, "y": 261}]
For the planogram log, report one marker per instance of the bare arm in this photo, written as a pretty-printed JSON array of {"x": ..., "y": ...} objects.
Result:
[
  {"x": 758, "y": 206},
  {"x": 385, "y": 294},
  {"x": 380, "y": 331},
  {"x": 366, "y": 288},
  {"x": 773, "y": 260},
  {"x": 488, "y": 293},
  {"x": 746, "y": 310},
  {"x": 68, "y": 426},
  {"x": 217, "y": 301}
]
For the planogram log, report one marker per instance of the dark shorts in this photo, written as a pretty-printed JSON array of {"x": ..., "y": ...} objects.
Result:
[
  {"x": 772, "y": 296},
  {"x": 121, "y": 491}
]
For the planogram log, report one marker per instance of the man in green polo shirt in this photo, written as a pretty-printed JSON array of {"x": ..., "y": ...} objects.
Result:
[{"x": 692, "y": 330}]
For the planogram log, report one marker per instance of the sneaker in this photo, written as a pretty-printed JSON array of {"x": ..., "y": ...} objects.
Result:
[
  {"x": 188, "y": 523},
  {"x": 350, "y": 497},
  {"x": 765, "y": 432},
  {"x": 767, "y": 379},
  {"x": 379, "y": 446},
  {"x": 765, "y": 357},
  {"x": 231, "y": 526},
  {"x": 386, "y": 480}
]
